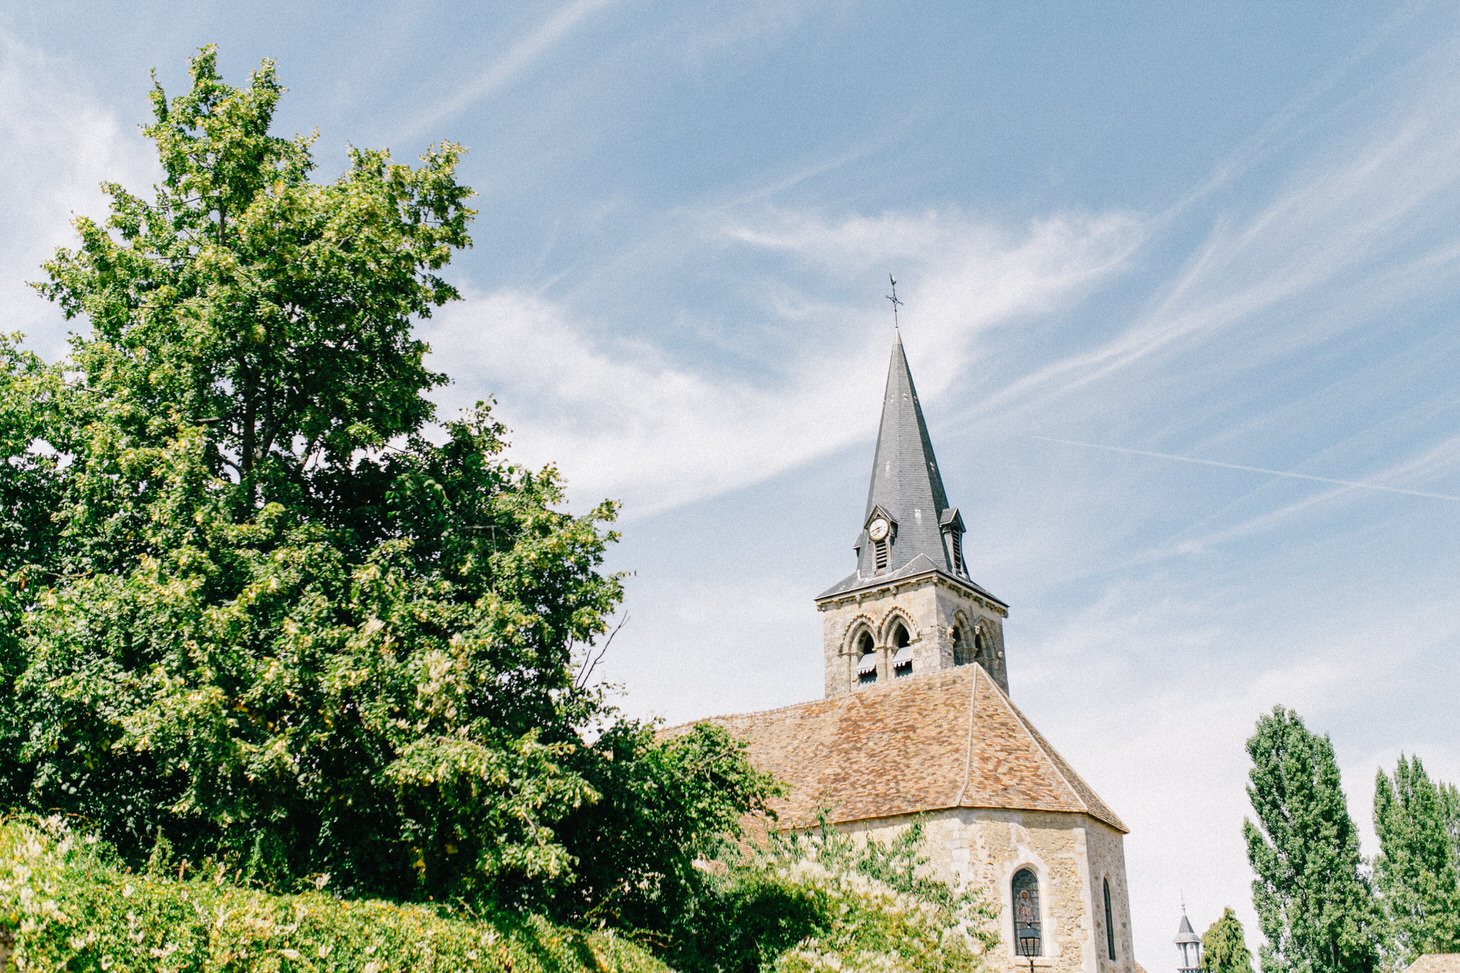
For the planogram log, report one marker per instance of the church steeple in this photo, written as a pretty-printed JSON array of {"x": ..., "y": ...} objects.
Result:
[
  {"x": 907, "y": 487},
  {"x": 910, "y": 605}
]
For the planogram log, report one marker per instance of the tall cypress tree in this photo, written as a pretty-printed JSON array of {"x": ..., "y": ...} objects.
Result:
[
  {"x": 1415, "y": 873},
  {"x": 1313, "y": 901},
  {"x": 1450, "y": 811},
  {"x": 1224, "y": 947}
]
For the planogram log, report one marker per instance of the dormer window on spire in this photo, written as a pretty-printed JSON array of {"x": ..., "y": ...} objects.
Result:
[{"x": 880, "y": 531}]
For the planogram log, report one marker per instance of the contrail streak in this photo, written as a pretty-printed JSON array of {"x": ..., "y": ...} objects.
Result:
[{"x": 1256, "y": 469}]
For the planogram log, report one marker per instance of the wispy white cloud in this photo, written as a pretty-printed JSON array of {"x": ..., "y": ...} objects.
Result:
[
  {"x": 513, "y": 64},
  {"x": 57, "y": 145},
  {"x": 730, "y": 30},
  {"x": 621, "y": 418},
  {"x": 1448, "y": 451},
  {"x": 958, "y": 277},
  {"x": 625, "y": 419},
  {"x": 1369, "y": 204}
]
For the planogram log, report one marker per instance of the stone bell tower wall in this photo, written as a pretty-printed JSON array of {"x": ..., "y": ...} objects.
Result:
[{"x": 932, "y": 607}]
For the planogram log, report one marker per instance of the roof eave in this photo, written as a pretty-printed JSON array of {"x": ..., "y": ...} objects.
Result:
[{"x": 856, "y": 585}]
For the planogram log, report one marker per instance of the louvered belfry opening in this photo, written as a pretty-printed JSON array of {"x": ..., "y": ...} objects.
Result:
[
  {"x": 902, "y": 663},
  {"x": 866, "y": 660}
]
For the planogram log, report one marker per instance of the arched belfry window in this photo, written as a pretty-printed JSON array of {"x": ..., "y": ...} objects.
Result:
[
  {"x": 1028, "y": 940},
  {"x": 901, "y": 652},
  {"x": 866, "y": 659},
  {"x": 1109, "y": 924},
  {"x": 962, "y": 651}
]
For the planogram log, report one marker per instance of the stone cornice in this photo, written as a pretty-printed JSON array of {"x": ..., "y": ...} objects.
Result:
[{"x": 878, "y": 586}]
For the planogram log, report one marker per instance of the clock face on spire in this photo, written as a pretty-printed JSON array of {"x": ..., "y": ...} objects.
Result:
[{"x": 878, "y": 529}]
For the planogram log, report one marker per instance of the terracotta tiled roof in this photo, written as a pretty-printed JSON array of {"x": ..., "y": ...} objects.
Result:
[
  {"x": 929, "y": 742},
  {"x": 1436, "y": 963}
]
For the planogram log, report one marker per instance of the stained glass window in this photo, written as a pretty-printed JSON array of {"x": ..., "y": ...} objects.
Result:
[{"x": 1027, "y": 940}]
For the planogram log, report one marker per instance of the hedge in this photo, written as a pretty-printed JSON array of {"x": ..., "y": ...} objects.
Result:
[{"x": 67, "y": 904}]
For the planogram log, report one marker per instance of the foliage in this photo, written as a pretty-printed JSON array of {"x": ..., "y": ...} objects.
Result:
[
  {"x": 1224, "y": 947},
  {"x": 1415, "y": 871},
  {"x": 1449, "y": 799},
  {"x": 70, "y": 905},
  {"x": 665, "y": 806},
  {"x": 28, "y": 389},
  {"x": 28, "y": 495},
  {"x": 824, "y": 900},
  {"x": 279, "y": 623},
  {"x": 248, "y": 301},
  {"x": 1313, "y": 901}
]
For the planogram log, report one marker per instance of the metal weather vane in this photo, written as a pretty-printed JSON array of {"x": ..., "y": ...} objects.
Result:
[{"x": 893, "y": 298}]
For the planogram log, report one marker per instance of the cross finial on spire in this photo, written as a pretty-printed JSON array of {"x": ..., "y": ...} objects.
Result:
[{"x": 893, "y": 298}]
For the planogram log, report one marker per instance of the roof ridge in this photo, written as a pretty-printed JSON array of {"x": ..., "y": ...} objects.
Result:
[
  {"x": 1044, "y": 749},
  {"x": 968, "y": 747},
  {"x": 1096, "y": 808}
]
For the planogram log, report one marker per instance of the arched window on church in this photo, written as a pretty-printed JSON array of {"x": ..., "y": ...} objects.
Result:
[
  {"x": 981, "y": 653},
  {"x": 1109, "y": 924},
  {"x": 901, "y": 652},
  {"x": 866, "y": 660},
  {"x": 1027, "y": 938},
  {"x": 962, "y": 651}
]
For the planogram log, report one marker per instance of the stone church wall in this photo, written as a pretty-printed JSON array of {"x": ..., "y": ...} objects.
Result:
[
  {"x": 1107, "y": 863},
  {"x": 1070, "y": 853}
]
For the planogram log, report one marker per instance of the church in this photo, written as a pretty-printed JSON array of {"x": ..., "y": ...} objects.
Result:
[{"x": 917, "y": 721}]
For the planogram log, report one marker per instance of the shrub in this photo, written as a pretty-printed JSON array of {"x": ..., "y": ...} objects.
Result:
[
  {"x": 824, "y": 900},
  {"x": 70, "y": 906}
]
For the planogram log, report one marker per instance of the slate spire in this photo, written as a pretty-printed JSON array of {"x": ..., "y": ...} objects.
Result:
[{"x": 907, "y": 485}]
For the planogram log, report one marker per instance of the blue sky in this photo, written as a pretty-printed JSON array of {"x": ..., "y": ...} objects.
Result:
[{"x": 1181, "y": 294}]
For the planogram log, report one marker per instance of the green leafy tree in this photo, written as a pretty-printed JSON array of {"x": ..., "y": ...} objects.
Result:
[
  {"x": 666, "y": 806},
  {"x": 28, "y": 495},
  {"x": 279, "y": 623},
  {"x": 1449, "y": 796},
  {"x": 1313, "y": 901},
  {"x": 823, "y": 901},
  {"x": 1224, "y": 947},
  {"x": 1414, "y": 873}
]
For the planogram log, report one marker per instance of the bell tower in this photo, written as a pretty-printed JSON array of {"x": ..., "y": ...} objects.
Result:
[{"x": 910, "y": 606}]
